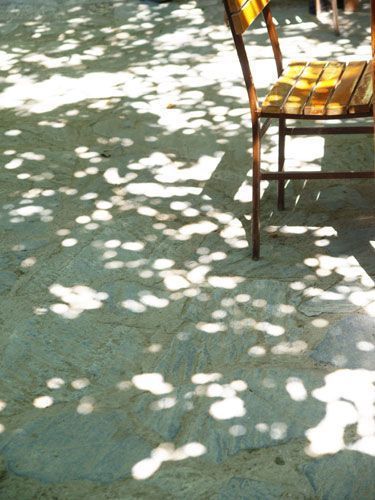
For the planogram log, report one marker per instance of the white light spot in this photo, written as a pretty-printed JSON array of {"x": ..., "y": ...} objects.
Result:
[
  {"x": 153, "y": 382},
  {"x": 237, "y": 430},
  {"x": 86, "y": 406},
  {"x": 257, "y": 351},
  {"x": 296, "y": 389},
  {"x": 133, "y": 306},
  {"x": 80, "y": 383},
  {"x": 43, "y": 402},
  {"x": 55, "y": 383},
  {"x": 278, "y": 430},
  {"x": 163, "y": 404},
  {"x": 163, "y": 264},
  {"x": 145, "y": 468},
  {"x": 124, "y": 385},
  {"x": 262, "y": 427},
  {"x": 83, "y": 219},
  {"x": 365, "y": 346},
  {"x": 205, "y": 378},
  {"x": 112, "y": 244},
  {"x": 228, "y": 408},
  {"x": 101, "y": 215},
  {"x": 153, "y": 301},
  {"x": 69, "y": 242},
  {"x": 238, "y": 385},
  {"x": 59, "y": 308},
  {"x": 133, "y": 246},
  {"x": 211, "y": 327}
]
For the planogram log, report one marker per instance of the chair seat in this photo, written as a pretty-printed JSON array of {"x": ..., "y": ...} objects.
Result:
[{"x": 321, "y": 89}]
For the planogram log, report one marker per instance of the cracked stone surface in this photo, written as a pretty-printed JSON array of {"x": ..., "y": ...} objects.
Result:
[{"x": 144, "y": 354}]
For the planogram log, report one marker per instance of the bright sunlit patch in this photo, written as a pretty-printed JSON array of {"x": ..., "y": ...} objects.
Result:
[
  {"x": 257, "y": 351},
  {"x": 270, "y": 329},
  {"x": 28, "y": 262},
  {"x": 124, "y": 385},
  {"x": 262, "y": 427},
  {"x": 76, "y": 299},
  {"x": 198, "y": 274},
  {"x": 202, "y": 227},
  {"x": 238, "y": 385},
  {"x": 295, "y": 347},
  {"x": 134, "y": 306},
  {"x": 296, "y": 389},
  {"x": 365, "y": 346},
  {"x": 205, "y": 378},
  {"x": 237, "y": 430},
  {"x": 163, "y": 453},
  {"x": 69, "y": 242},
  {"x": 219, "y": 314},
  {"x": 153, "y": 301},
  {"x": 174, "y": 282},
  {"x": 83, "y": 219},
  {"x": 133, "y": 246},
  {"x": 2, "y": 405},
  {"x": 55, "y": 383},
  {"x": 319, "y": 323},
  {"x": 349, "y": 396},
  {"x": 12, "y": 164},
  {"x": 211, "y": 327},
  {"x": 153, "y": 382},
  {"x": 43, "y": 402},
  {"x": 278, "y": 430},
  {"x": 80, "y": 383},
  {"x": 227, "y": 282},
  {"x": 163, "y": 404},
  {"x": 228, "y": 408},
  {"x": 161, "y": 264},
  {"x": 86, "y": 405}
]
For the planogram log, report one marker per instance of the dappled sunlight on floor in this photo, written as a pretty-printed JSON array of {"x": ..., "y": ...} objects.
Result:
[{"x": 144, "y": 353}]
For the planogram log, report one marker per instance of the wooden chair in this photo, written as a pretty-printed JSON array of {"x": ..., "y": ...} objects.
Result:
[{"x": 304, "y": 91}]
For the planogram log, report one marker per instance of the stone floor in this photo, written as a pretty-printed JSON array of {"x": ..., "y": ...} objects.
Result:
[{"x": 144, "y": 354}]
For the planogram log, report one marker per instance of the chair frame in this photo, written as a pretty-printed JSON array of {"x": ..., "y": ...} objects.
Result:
[
  {"x": 335, "y": 16},
  {"x": 259, "y": 129}
]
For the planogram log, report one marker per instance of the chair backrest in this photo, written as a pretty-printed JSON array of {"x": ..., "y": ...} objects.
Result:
[
  {"x": 244, "y": 12},
  {"x": 241, "y": 14}
]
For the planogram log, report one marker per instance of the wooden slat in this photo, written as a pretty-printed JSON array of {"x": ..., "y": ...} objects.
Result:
[
  {"x": 248, "y": 13},
  {"x": 361, "y": 99},
  {"x": 297, "y": 99},
  {"x": 280, "y": 91},
  {"x": 339, "y": 101},
  {"x": 324, "y": 88},
  {"x": 235, "y": 5}
]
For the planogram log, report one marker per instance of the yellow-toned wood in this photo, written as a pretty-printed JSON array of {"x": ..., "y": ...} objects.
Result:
[
  {"x": 324, "y": 88},
  {"x": 280, "y": 91},
  {"x": 361, "y": 99},
  {"x": 235, "y": 5},
  {"x": 248, "y": 13},
  {"x": 339, "y": 101},
  {"x": 295, "y": 102}
]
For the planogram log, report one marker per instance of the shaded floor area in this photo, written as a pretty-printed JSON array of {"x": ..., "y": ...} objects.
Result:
[{"x": 144, "y": 354}]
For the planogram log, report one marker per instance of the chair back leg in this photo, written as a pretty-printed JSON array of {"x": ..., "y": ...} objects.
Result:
[
  {"x": 281, "y": 183},
  {"x": 256, "y": 190},
  {"x": 335, "y": 17}
]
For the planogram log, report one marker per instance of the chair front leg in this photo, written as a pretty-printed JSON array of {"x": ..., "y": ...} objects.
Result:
[
  {"x": 281, "y": 183},
  {"x": 256, "y": 190}
]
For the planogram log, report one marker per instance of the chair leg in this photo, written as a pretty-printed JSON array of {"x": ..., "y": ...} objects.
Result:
[
  {"x": 256, "y": 191},
  {"x": 335, "y": 17},
  {"x": 281, "y": 183}
]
